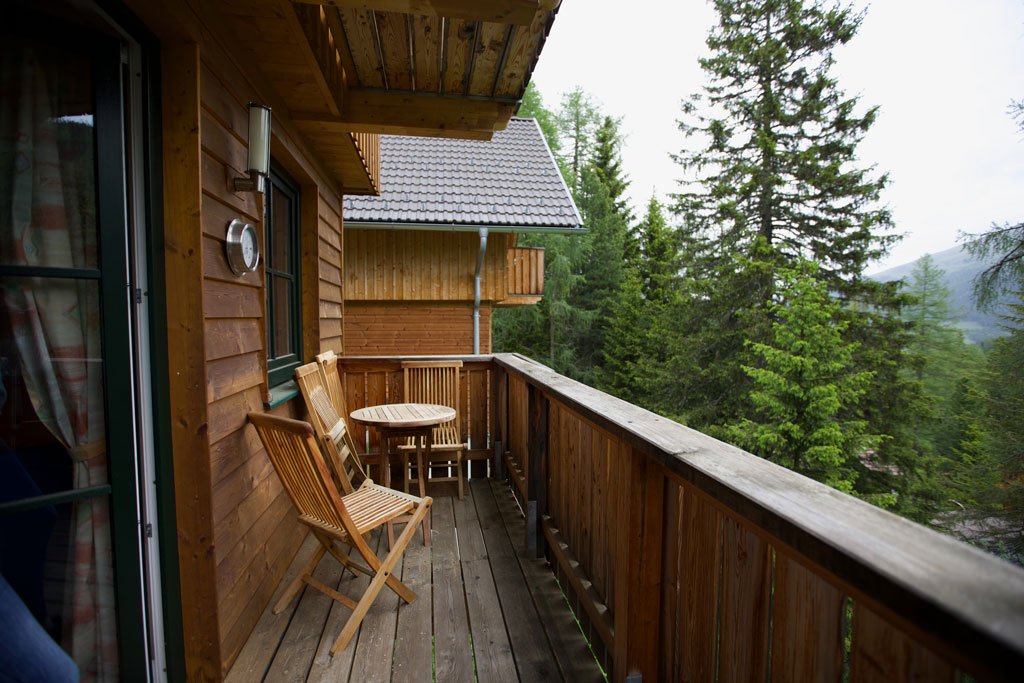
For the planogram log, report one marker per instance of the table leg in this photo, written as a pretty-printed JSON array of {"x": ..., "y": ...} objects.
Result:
[{"x": 385, "y": 460}]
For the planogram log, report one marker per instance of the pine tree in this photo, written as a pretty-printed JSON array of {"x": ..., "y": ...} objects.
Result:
[{"x": 805, "y": 386}]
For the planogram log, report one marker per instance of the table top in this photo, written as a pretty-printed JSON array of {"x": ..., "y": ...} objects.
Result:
[{"x": 400, "y": 415}]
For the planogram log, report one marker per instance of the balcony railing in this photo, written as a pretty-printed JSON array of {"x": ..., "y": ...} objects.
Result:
[
  {"x": 525, "y": 272},
  {"x": 686, "y": 558}
]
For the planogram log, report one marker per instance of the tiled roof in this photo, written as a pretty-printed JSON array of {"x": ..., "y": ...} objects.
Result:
[{"x": 510, "y": 180}]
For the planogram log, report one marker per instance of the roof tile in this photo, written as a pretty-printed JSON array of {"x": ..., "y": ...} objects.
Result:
[{"x": 510, "y": 180}]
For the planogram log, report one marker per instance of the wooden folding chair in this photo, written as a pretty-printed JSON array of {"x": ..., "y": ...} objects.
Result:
[
  {"x": 437, "y": 382},
  {"x": 331, "y": 427},
  {"x": 292, "y": 447},
  {"x": 328, "y": 363}
]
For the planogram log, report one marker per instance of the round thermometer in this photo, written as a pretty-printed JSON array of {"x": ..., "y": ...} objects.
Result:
[{"x": 242, "y": 246}]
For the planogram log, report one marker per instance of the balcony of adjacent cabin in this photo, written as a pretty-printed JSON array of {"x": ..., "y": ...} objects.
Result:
[{"x": 596, "y": 538}]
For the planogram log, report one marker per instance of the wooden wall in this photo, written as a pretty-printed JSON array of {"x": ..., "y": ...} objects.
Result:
[
  {"x": 236, "y": 527},
  {"x": 413, "y": 328},
  {"x": 415, "y": 265}
]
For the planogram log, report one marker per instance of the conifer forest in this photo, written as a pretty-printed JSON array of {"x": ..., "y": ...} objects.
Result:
[{"x": 740, "y": 305}]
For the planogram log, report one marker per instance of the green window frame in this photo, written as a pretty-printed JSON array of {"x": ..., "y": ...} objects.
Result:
[{"x": 283, "y": 277}]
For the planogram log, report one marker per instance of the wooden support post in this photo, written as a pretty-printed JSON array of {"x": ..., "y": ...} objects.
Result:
[
  {"x": 638, "y": 589},
  {"x": 499, "y": 420},
  {"x": 537, "y": 481}
]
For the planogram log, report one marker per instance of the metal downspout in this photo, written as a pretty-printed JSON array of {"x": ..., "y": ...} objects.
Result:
[{"x": 476, "y": 291}]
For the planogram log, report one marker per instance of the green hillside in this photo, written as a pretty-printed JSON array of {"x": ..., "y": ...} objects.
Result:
[{"x": 960, "y": 268}]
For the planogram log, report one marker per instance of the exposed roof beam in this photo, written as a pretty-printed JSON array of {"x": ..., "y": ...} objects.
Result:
[
  {"x": 519, "y": 12},
  {"x": 403, "y": 113},
  {"x": 312, "y": 125}
]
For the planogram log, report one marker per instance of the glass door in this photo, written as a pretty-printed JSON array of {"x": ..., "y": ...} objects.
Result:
[{"x": 70, "y": 562}]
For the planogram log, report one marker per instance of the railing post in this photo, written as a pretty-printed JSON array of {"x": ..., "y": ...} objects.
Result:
[
  {"x": 537, "y": 481},
  {"x": 499, "y": 420},
  {"x": 638, "y": 589}
]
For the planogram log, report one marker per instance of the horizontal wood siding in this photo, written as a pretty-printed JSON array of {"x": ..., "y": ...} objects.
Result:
[
  {"x": 413, "y": 328},
  {"x": 331, "y": 294},
  {"x": 240, "y": 531},
  {"x": 417, "y": 265},
  {"x": 254, "y": 531}
]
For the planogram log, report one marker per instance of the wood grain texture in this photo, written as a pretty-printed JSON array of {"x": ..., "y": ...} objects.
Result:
[
  {"x": 453, "y": 661},
  {"x": 185, "y": 347},
  {"x": 881, "y": 652},
  {"x": 912, "y": 570},
  {"x": 746, "y": 582},
  {"x": 807, "y": 636},
  {"x": 416, "y": 265},
  {"x": 411, "y": 328}
]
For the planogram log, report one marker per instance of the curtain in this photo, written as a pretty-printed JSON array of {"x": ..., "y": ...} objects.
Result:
[{"x": 48, "y": 218}]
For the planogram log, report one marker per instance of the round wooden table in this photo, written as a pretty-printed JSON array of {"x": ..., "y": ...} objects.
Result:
[{"x": 401, "y": 421}]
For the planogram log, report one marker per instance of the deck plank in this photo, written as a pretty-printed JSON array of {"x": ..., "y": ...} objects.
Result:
[
  {"x": 484, "y": 611},
  {"x": 414, "y": 647},
  {"x": 467, "y": 528},
  {"x": 572, "y": 655},
  {"x": 492, "y": 650},
  {"x": 534, "y": 658},
  {"x": 339, "y": 667},
  {"x": 259, "y": 650},
  {"x": 293, "y": 659},
  {"x": 452, "y": 657},
  {"x": 376, "y": 645}
]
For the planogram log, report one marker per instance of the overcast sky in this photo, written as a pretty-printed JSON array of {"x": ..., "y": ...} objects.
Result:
[{"x": 942, "y": 71}]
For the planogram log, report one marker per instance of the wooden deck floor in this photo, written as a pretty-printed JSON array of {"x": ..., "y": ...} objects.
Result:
[{"x": 483, "y": 611}]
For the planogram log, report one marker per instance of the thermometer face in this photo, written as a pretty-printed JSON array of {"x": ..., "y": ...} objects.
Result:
[
  {"x": 249, "y": 248},
  {"x": 242, "y": 247}
]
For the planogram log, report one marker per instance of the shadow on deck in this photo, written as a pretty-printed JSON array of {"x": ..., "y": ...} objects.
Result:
[{"x": 484, "y": 611}]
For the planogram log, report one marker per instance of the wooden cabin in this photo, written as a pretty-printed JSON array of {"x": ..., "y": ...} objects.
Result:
[
  {"x": 428, "y": 259},
  {"x": 144, "y": 532}
]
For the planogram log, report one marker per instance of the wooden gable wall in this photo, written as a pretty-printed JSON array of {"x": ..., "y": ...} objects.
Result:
[
  {"x": 411, "y": 291},
  {"x": 237, "y": 531}
]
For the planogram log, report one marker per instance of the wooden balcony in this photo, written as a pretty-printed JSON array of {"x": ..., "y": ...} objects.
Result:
[
  {"x": 484, "y": 609},
  {"x": 524, "y": 276},
  {"x": 682, "y": 557}
]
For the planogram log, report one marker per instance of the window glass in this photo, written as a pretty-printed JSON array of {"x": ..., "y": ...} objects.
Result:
[{"x": 284, "y": 334}]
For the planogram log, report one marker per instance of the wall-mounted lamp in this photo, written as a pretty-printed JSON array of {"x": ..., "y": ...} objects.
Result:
[{"x": 259, "y": 150}]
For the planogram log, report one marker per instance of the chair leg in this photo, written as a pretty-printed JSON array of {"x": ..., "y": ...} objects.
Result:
[
  {"x": 405, "y": 471},
  {"x": 458, "y": 462},
  {"x": 380, "y": 579},
  {"x": 296, "y": 585}
]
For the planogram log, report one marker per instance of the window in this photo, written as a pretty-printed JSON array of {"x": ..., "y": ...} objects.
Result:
[{"x": 283, "y": 285}]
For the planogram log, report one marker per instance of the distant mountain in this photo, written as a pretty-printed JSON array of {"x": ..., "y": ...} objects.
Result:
[{"x": 961, "y": 268}]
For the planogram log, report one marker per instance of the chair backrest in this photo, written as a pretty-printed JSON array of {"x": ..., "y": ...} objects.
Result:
[
  {"x": 336, "y": 390},
  {"x": 332, "y": 381},
  {"x": 292, "y": 448},
  {"x": 430, "y": 381},
  {"x": 330, "y": 427}
]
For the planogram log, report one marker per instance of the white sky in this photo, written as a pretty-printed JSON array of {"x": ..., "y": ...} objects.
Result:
[{"x": 942, "y": 71}]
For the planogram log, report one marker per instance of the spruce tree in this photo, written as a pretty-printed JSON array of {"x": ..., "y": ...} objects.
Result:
[
  {"x": 804, "y": 386},
  {"x": 772, "y": 177},
  {"x": 778, "y": 160}
]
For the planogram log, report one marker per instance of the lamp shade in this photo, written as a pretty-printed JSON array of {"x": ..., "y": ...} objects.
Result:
[{"x": 259, "y": 138}]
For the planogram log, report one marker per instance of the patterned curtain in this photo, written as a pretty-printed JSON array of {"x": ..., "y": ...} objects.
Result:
[{"x": 48, "y": 218}]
